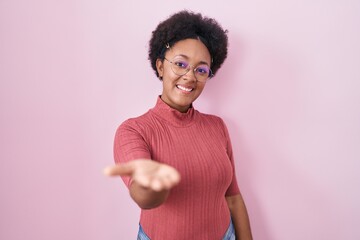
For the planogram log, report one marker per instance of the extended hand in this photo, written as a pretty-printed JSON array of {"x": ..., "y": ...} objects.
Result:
[{"x": 147, "y": 173}]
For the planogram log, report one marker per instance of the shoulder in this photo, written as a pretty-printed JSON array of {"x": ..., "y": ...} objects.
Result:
[
  {"x": 135, "y": 124},
  {"x": 211, "y": 119}
]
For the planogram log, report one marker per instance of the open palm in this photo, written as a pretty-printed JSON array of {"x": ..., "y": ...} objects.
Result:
[{"x": 147, "y": 173}]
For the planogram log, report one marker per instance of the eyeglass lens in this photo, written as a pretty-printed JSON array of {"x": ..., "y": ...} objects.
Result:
[{"x": 180, "y": 66}]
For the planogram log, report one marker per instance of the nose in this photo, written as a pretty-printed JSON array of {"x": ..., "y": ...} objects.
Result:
[{"x": 190, "y": 74}]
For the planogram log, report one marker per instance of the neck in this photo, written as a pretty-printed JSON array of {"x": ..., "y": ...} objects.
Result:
[{"x": 182, "y": 109}]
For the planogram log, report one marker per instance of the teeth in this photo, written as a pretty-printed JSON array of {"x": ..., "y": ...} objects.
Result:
[{"x": 184, "y": 88}]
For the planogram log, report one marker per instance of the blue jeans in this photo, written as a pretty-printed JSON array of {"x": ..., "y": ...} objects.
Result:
[{"x": 229, "y": 235}]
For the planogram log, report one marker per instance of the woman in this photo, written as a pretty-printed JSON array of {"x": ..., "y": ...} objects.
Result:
[{"x": 177, "y": 162}]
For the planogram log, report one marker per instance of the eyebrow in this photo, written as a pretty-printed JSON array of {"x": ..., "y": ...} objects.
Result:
[{"x": 184, "y": 56}]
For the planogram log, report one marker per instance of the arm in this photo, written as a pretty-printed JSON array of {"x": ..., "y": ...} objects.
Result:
[
  {"x": 235, "y": 201},
  {"x": 240, "y": 217},
  {"x": 150, "y": 181}
]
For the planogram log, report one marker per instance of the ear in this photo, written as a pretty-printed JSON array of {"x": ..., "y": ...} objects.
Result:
[{"x": 160, "y": 67}]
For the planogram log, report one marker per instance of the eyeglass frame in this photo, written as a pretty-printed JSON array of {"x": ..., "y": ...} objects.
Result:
[{"x": 188, "y": 70}]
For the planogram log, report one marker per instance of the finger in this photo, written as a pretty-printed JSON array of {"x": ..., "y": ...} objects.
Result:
[
  {"x": 166, "y": 184},
  {"x": 161, "y": 184},
  {"x": 169, "y": 182},
  {"x": 142, "y": 180},
  {"x": 165, "y": 181},
  {"x": 172, "y": 177},
  {"x": 175, "y": 177},
  {"x": 157, "y": 185},
  {"x": 124, "y": 169}
]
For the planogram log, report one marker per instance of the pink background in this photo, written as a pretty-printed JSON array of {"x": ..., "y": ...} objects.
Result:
[{"x": 72, "y": 71}]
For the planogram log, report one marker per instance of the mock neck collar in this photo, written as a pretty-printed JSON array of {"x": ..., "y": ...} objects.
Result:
[{"x": 173, "y": 116}]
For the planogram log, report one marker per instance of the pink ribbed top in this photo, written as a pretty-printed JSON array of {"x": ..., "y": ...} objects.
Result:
[{"x": 198, "y": 146}]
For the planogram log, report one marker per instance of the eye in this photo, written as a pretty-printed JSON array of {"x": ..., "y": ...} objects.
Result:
[
  {"x": 181, "y": 64},
  {"x": 203, "y": 70}
]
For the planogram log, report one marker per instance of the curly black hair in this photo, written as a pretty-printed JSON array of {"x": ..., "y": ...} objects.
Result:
[{"x": 185, "y": 25}]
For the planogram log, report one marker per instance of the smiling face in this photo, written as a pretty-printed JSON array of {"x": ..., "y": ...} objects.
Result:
[{"x": 180, "y": 91}]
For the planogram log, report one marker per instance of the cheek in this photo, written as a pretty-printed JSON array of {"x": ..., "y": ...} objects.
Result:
[
  {"x": 168, "y": 73},
  {"x": 200, "y": 88},
  {"x": 168, "y": 82},
  {"x": 170, "y": 77}
]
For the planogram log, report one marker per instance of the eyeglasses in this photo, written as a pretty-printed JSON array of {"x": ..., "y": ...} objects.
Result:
[{"x": 180, "y": 67}]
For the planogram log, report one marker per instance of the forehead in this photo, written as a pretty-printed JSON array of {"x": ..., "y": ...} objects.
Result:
[{"x": 192, "y": 49}]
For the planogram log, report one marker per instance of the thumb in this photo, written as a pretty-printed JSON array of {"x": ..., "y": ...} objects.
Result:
[{"x": 124, "y": 169}]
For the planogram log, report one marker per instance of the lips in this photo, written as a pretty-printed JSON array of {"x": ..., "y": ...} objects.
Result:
[{"x": 183, "y": 88}]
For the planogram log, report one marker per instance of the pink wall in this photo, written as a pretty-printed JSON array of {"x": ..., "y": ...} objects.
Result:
[{"x": 72, "y": 71}]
